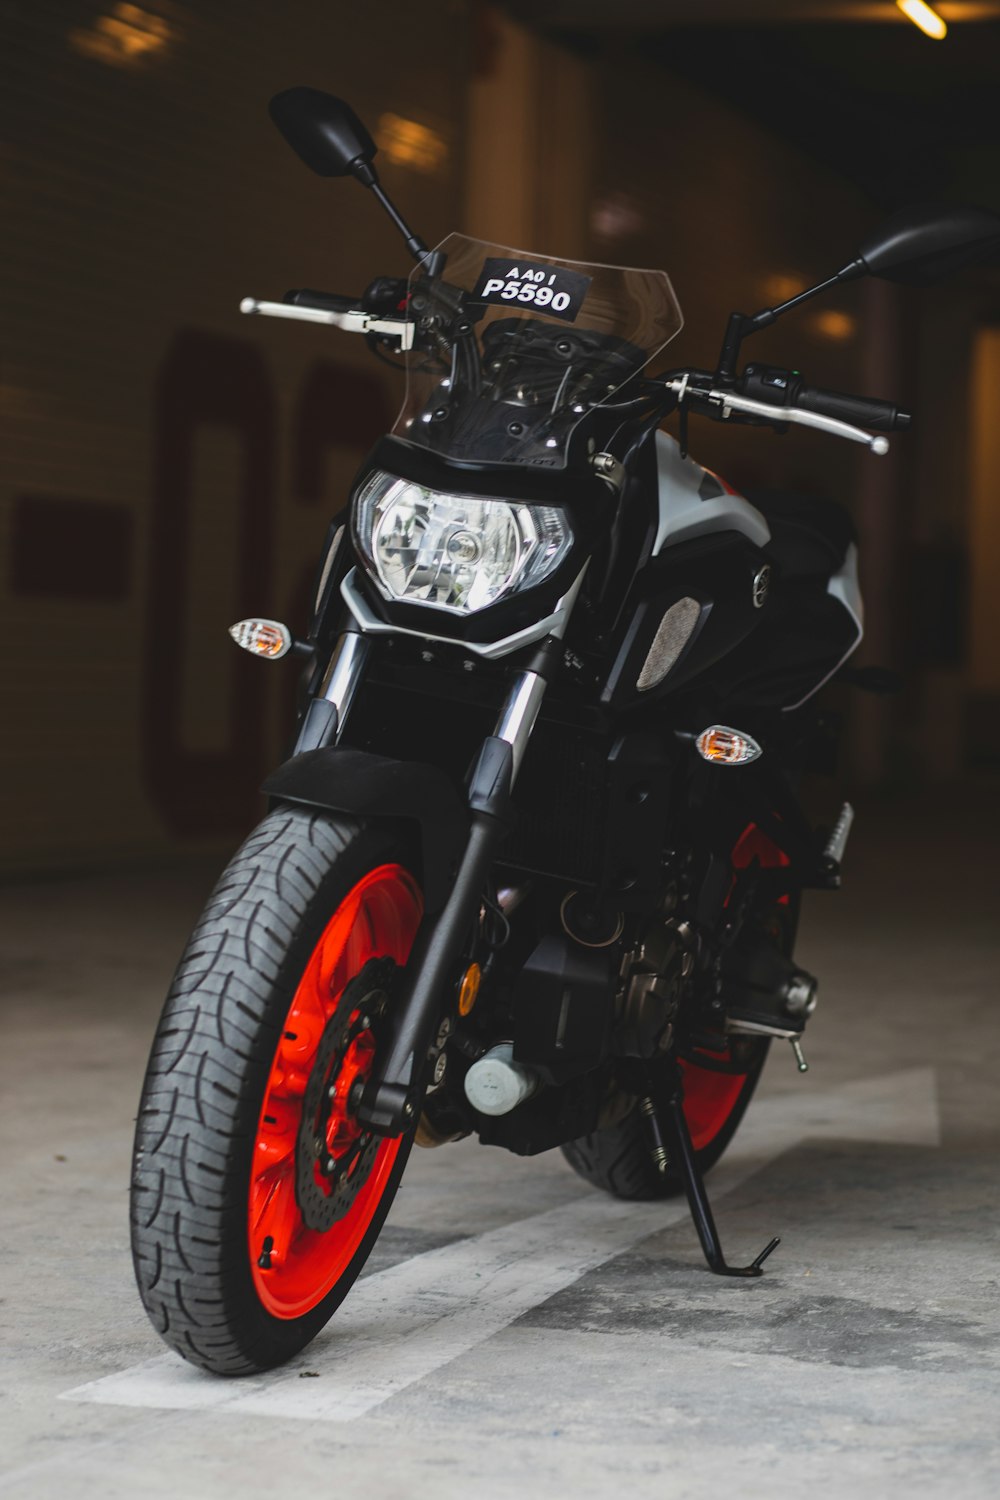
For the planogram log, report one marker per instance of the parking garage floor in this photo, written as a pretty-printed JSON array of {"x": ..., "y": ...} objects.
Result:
[{"x": 516, "y": 1334}]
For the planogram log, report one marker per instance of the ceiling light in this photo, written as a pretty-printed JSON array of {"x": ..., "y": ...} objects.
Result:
[
  {"x": 406, "y": 143},
  {"x": 125, "y": 37},
  {"x": 921, "y": 15},
  {"x": 839, "y": 327}
]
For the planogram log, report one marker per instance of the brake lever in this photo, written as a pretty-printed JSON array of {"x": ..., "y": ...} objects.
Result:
[
  {"x": 356, "y": 321},
  {"x": 728, "y": 402}
]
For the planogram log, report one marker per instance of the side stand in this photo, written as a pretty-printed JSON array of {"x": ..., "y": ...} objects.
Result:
[{"x": 663, "y": 1112}]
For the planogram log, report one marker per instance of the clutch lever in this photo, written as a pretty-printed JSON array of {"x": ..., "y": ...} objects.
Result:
[{"x": 356, "y": 321}]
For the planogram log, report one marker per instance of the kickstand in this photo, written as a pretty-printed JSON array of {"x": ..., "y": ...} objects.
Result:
[{"x": 664, "y": 1115}]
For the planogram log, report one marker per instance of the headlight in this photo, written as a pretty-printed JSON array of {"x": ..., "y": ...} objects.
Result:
[{"x": 455, "y": 552}]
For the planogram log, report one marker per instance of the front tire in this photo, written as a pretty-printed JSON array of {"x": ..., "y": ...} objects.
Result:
[{"x": 270, "y": 1026}]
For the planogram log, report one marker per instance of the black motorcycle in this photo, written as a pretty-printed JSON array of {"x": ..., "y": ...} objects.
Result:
[{"x": 534, "y": 866}]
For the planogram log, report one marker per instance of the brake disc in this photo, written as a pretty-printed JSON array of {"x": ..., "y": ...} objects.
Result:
[{"x": 329, "y": 1175}]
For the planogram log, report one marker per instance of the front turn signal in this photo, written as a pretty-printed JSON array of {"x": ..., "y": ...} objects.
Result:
[
  {"x": 727, "y": 747},
  {"x": 268, "y": 638}
]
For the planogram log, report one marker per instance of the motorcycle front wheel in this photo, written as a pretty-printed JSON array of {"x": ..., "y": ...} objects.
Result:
[{"x": 257, "y": 1196}]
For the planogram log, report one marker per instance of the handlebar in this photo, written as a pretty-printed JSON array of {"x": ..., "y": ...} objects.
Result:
[
  {"x": 866, "y": 411},
  {"x": 336, "y": 311},
  {"x": 786, "y": 388},
  {"x": 322, "y": 301},
  {"x": 762, "y": 394},
  {"x": 724, "y": 404}
]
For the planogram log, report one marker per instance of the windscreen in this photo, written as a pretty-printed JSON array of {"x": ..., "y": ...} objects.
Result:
[{"x": 512, "y": 350}]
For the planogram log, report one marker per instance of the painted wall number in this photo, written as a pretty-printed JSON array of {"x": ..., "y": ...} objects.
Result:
[{"x": 208, "y": 379}]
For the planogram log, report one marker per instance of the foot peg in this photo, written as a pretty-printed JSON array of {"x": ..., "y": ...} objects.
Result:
[
  {"x": 837, "y": 842},
  {"x": 669, "y": 1135}
]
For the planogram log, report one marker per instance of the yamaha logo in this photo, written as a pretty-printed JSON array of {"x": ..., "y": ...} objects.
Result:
[{"x": 761, "y": 586}]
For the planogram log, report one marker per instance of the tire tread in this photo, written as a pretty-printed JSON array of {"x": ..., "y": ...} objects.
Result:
[{"x": 210, "y": 1057}]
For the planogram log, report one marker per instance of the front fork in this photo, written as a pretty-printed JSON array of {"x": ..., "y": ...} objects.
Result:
[
  {"x": 324, "y": 719},
  {"x": 391, "y": 1099}
]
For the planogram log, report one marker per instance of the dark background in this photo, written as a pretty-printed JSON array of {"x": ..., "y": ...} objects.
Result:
[{"x": 168, "y": 467}]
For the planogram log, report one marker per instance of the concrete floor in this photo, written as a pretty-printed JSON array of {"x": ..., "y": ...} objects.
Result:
[{"x": 518, "y": 1335}]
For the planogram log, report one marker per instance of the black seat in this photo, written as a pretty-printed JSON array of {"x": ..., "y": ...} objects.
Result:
[{"x": 810, "y": 535}]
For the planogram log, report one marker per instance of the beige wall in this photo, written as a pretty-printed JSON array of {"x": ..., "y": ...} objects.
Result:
[
  {"x": 529, "y": 144},
  {"x": 984, "y": 654},
  {"x": 148, "y": 193},
  {"x": 145, "y": 192}
]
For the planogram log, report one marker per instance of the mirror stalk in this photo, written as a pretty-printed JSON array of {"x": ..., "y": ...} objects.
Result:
[
  {"x": 741, "y": 325},
  {"x": 431, "y": 260}
]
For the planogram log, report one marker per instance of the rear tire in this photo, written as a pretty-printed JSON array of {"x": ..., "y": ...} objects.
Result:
[
  {"x": 306, "y": 904},
  {"x": 618, "y": 1160}
]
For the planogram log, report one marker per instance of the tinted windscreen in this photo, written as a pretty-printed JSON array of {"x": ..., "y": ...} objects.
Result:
[{"x": 512, "y": 350}]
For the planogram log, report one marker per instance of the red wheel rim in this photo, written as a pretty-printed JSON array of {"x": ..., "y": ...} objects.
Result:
[
  {"x": 377, "y": 919},
  {"x": 710, "y": 1096}
]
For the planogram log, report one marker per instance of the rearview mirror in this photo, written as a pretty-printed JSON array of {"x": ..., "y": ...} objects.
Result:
[
  {"x": 918, "y": 246},
  {"x": 325, "y": 132}
]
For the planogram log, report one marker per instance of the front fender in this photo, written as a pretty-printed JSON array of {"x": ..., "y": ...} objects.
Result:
[{"x": 374, "y": 787}]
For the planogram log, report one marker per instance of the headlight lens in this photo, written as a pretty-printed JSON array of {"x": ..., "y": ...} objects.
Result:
[{"x": 455, "y": 552}]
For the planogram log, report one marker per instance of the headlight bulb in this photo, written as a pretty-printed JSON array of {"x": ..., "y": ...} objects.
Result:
[{"x": 459, "y": 553}]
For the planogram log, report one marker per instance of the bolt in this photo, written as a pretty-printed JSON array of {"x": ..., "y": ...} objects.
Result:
[
  {"x": 317, "y": 1145},
  {"x": 440, "y": 1067},
  {"x": 408, "y": 1110},
  {"x": 329, "y": 1166},
  {"x": 365, "y": 1022}
]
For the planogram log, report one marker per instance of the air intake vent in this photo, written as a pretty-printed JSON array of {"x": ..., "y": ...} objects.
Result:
[{"x": 675, "y": 630}]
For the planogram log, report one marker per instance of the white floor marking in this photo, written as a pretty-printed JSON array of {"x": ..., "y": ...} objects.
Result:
[{"x": 401, "y": 1324}]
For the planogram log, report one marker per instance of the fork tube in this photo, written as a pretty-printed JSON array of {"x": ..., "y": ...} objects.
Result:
[
  {"x": 344, "y": 674},
  {"x": 327, "y": 713},
  {"x": 518, "y": 715}
]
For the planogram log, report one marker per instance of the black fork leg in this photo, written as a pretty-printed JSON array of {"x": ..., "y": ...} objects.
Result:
[{"x": 663, "y": 1111}]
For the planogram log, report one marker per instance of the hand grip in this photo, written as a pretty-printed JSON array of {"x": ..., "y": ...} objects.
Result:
[
  {"x": 322, "y": 301},
  {"x": 787, "y": 388},
  {"x": 863, "y": 411}
]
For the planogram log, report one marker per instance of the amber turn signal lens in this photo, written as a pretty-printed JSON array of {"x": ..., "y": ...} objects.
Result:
[
  {"x": 727, "y": 747},
  {"x": 469, "y": 989},
  {"x": 262, "y": 637}
]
